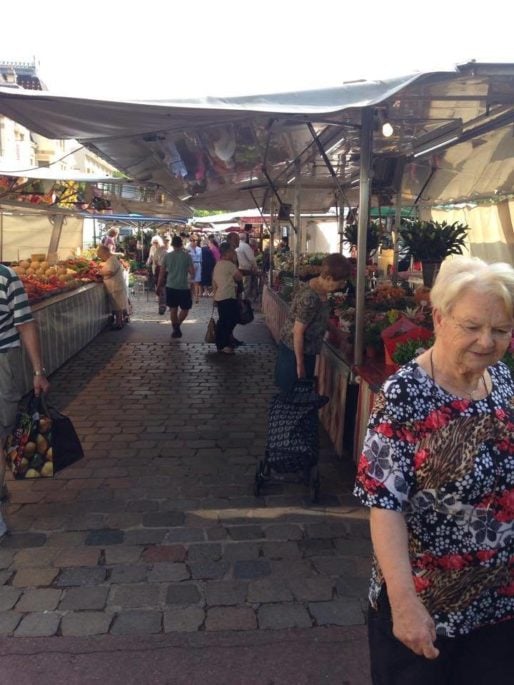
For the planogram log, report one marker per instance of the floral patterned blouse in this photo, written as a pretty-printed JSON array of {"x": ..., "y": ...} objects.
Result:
[
  {"x": 308, "y": 308},
  {"x": 447, "y": 463}
]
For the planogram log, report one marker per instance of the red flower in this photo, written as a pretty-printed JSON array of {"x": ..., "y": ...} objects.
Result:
[
  {"x": 460, "y": 405},
  {"x": 420, "y": 457},
  {"x": 485, "y": 554},
  {"x": 385, "y": 429},
  {"x": 452, "y": 562},
  {"x": 421, "y": 583},
  {"x": 507, "y": 590},
  {"x": 436, "y": 419}
]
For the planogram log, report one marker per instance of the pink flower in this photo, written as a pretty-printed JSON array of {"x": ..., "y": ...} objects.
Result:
[{"x": 420, "y": 457}]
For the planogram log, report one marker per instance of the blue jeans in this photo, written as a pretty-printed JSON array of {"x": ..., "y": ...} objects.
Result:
[{"x": 285, "y": 368}]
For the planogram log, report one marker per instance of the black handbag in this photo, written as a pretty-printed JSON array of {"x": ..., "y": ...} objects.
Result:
[
  {"x": 43, "y": 441},
  {"x": 245, "y": 312}
]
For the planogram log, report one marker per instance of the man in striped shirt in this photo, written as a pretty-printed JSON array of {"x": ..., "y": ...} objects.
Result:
[{"x": 17, "y": 327}]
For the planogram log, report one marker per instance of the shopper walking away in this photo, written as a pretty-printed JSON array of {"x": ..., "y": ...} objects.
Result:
[
  {"x": 17, "y": 327},
  {"x": 196, "y": 255},
  {"x": 208, "y": 264},
  {"x": 247, "y": 265},
  {"x": 225, "y": 279},
  {"x": 214, "y": 248},
  {"x": 159, "y": 259},
  {"x": 176, "y": 267}
]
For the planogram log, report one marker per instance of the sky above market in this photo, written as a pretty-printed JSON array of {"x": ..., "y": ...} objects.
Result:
[{"x": 165, "y": 50}]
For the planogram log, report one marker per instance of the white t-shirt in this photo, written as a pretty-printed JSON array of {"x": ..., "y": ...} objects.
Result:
[
  {"x": 223, "y": 279},
  {"x": 246, "y": 257}
]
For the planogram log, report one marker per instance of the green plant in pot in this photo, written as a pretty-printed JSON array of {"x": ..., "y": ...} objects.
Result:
[
  {"x": 430, "y": 242},
  {"x": 373, "y": 234}
]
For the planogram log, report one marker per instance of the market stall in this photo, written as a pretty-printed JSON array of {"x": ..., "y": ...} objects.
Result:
[{"x": 67, "y": 322}]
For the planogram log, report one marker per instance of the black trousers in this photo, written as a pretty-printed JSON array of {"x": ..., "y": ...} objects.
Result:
[
  {"x": 285, "y": 367},
  {"x": 228, "y": 313},
  {"x": 484, "y": 657}
]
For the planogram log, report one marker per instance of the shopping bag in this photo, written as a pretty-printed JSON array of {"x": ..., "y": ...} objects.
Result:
[
  {"x": 210, "y": 334},
  {"x": 43, "y": 441},
  {"x": 245, "y": 312}
]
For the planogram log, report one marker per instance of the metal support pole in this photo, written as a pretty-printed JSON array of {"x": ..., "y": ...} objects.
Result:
[
  {"x": 364, "y": 197},
  {"x": 297, "y": 219},
  {"x": 271, "y": 242},
  {"x": 396, "y": 233},
  {"x": 53, "y": 247}
]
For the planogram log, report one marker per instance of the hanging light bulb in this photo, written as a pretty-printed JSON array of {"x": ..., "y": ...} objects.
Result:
[{"x": 387, "y": 129}]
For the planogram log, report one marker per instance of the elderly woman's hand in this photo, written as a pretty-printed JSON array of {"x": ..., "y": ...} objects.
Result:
[{"x": 413, "y": 625}]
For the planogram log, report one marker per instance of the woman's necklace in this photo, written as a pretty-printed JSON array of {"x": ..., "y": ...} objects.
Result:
[{"x": 470, "y": 394}]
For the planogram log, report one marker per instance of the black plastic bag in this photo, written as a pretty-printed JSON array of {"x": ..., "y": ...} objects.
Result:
[
  {"x": 245, "y": 312},
  {"x": 43, "y": 441}
]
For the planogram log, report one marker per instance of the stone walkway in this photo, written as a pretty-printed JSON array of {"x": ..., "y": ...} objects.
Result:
[{"x": 157, "y": 530}]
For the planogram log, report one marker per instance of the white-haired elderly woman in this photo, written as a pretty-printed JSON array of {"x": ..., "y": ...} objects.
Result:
[{"x": 437, "y": 471}]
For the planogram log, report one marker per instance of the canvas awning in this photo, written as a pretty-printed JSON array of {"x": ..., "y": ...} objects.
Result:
[{"x": 452, "y": 139}]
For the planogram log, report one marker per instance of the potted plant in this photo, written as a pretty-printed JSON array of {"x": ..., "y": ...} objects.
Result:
[
  {"x": 373, "y": 235},
  {"x": 430, "y": 242}
]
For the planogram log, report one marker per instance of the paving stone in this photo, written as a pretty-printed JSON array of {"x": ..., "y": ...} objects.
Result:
[
  {"x": 351, "y": 586},
  {"x": 40, "y": 557},
  {"x": 70, "y": 577},
  {"x": 241, "y": 551},
  {"x": 291, "y": 568},
  {"x": 145, "y": 536},
  {"x": 230, "y": 618},
  {"x": 311, "y": 589},
  {"x": 267, "y": 590},
  {"x": 246, "y": 570},
  {"x": 280, "y": 550},
  {"x": 129, "y": 574},
  {"x": 354, "y": 547},
  {"x": 8, "y": 622},
  {"x": 134, "y": 596},
  {"x": 85, "y": 623},
  {"x": 168, "y": 573},
  {"x": 8, "y": 597},
  {"x": 123, "y": 554},
  {"x": 225, "y": 593},
  {"x": 66, "y": 539},
  {"x": 245, "y": 532},
  {"x": 279, "y": 616},
  {"x": 317, "y": 548},
  {"x": 164, "y": 553},
  {"x": 209, "y": 551},
  {"x": 82, "y": 598},
  {"x": 45, "y": 599},
  {"x": 22, "y": 540},
  {"x": 137, "y": 623},
  {"x": 216, "y": 533},
  {"x": 143, "y": 505},
  {"x": 6, "y": 558},
  {"x": 77, "y": 556},
  {"x": 164, "y": 518},
  {"x": 38, "y": 625},
  {"x": 5, "y": 576},
  {"x": 184, "y": 620},
  {"x": 184, "y": 535},
  {"x": 283, "y": 531},
  {"x": 347, "y": 612},
  {"x": 208, "y": 570},
  {"x": 334, "y": 566},
  {"x": 100, "y": 538},
  {"x": 183, "y": 594}
]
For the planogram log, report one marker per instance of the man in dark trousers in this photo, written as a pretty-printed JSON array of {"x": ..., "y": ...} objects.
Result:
[{"x": 173, "y": 275}]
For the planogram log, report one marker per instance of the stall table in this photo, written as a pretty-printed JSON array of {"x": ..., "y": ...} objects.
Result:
[{"x": 67, "y": 323}]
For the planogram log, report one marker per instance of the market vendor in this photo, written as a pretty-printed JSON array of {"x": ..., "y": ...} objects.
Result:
[
  {"x": 303, "y": 332},
  {"x": 17, "y": 327}
]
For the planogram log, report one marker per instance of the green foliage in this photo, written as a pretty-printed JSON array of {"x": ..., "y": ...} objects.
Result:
[
  {"x": 407, "y": 350},
  {"x": 372, "y": 235},
  {"x": 431, "y": 240},
  {"x": 509, "y": 360}
]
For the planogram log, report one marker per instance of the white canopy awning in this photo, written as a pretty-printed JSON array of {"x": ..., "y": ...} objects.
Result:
[{"x": 235, "y": 153}]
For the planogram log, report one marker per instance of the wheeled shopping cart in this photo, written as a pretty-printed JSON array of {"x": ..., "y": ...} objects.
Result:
[{"x": 292, "y": 448}]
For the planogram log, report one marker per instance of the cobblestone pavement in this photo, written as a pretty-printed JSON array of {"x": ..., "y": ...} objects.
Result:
[{"x": 157, "y": 530}]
